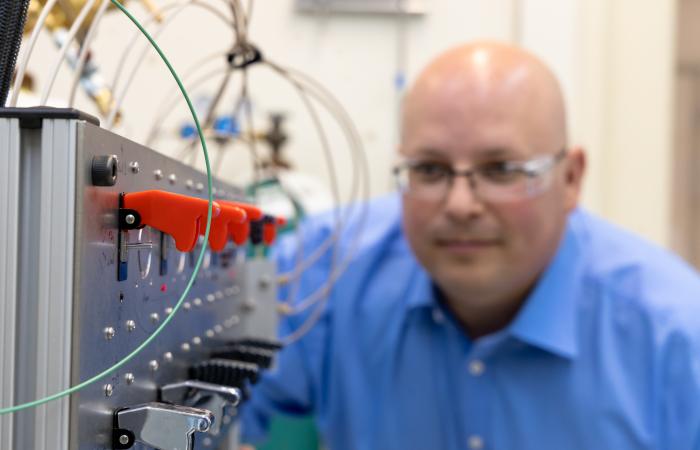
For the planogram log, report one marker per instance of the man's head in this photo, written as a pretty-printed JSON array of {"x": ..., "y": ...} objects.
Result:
[{"x": 482, "y": 106}]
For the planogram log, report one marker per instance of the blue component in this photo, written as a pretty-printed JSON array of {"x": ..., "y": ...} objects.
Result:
[
  {"x": 188, "y": 131},
  {"x": 227, "y": 125},
  {"x": 400, "y": 81}
]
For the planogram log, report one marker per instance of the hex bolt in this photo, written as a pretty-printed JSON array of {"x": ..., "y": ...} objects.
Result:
[
  {"x": 158, "y": 174},
  {"x": 123, "y": 439},
  {"x": 130, "y": 325},
  {"x": 109, "y": 333},
  {"x": 104, "y": 170},
  {"x": 134, "y": 166},
  {"x": 130, "y": 219},
  {"x": 129, "y": 378},
  {"x": 109, "y": 390},
  {"x": 153, "y": 365}
]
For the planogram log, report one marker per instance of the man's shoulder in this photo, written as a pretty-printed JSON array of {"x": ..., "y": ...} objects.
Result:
[{"x": 636, "y": 276}]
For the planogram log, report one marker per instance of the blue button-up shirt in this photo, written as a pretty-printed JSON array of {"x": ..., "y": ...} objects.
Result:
[{"x": 604, "y": 353}]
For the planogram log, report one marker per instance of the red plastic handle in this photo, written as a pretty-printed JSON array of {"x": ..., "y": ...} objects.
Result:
[
  {"x": 239, "y": 232},
  {"x": 219, "y": 231},
  {"x": 180, "y": 216}
]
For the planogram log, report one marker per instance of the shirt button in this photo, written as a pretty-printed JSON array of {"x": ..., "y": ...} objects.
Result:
[
  {"x": 476, "y": 367},
  {"x": 438, "y": 316},
  {"x": 475, "y": 442}
]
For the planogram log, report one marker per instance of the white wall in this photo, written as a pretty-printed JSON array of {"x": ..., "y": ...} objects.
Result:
[{"x": 614, "y": 58}]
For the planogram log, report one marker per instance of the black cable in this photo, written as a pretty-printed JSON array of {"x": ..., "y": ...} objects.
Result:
[{"x": 13, "y": 14}]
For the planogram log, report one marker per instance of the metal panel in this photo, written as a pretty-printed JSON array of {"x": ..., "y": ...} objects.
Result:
[
  {"x": 9, "y": 206},
  {"x": 55, "y": 280}
]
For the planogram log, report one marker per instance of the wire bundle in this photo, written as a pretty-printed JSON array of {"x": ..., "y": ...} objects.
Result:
[{"x": 13, "y": 14}]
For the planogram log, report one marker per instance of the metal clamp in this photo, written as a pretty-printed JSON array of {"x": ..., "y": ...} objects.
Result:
[
  {"x": 160, "y": 425},
  {"x": 199, "y": 394}
]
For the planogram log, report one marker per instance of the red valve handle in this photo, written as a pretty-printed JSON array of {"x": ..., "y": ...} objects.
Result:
[
  {"x": 230, "y": 216},
  {"x": 240, "y": 231},
  {"x": 182, "y": 217}
]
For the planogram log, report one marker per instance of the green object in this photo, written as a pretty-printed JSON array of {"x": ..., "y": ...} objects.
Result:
[
  {"x": 292, "y": 433},
  {"x": 167, "y": 320}
]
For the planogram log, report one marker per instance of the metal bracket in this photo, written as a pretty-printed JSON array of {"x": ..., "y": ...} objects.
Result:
[
  {"x": 160, "y": 425},
  {"x": 199, "y": 394}
]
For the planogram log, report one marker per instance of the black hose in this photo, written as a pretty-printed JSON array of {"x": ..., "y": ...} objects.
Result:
[{"x": 13, "y": 14}]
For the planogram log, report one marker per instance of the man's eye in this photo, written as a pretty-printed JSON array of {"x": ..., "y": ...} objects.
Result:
[
  {"x": 430, "y": 172},
  {"x": 499, "y": 172}
]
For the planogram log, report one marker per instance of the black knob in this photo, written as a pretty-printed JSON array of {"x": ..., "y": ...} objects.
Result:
[{"x": 104, "y": 170}]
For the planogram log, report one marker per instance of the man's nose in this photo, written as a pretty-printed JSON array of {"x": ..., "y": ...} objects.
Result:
[{"x": 462, "y": 202}]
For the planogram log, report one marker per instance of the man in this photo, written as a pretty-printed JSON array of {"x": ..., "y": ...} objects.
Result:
[{"x": 482, "y": 309}]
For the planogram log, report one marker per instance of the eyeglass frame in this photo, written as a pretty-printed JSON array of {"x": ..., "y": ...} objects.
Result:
[{"x": 532, "y": 168}]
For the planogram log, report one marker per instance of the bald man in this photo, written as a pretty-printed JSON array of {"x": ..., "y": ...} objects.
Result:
[{"x": 483, "y": 309}]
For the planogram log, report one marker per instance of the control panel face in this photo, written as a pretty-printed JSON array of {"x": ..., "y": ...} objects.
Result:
[{"x": 128, "y": 281}]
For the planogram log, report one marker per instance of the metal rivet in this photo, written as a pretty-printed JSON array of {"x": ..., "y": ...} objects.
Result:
[
  {"x": 200, "y": 187},
  {"x": 185, "y": 347},
  {"x": 186, "y": 306},
  {"x": 167, "y": 356},
  {"x": 109, "y": 333},
  {"x": 123, "y": 439},
  {"x": 218, "y": 329},
  {"x": 134, "y": 166},
  {"x": 130, "y": 325},
  {"x": 168, "y": 310},
  {"x": 197, "y": 302},
  {"x": 211, "y": 298},
  {"x": 129, "y": 378},
  {"x": 265, "y": 282},
  {"x": 210, "y": 334},
  {"x": 158, "y": 174},
  {"x": 153, "y": 365},
  {"x": 196, "y": 340},
  {"x": 189, "y": 184},
  {"x": 155, "y": 317},
  {"x": 109, "y": 390},
  {"x": 172, "y": 178}
]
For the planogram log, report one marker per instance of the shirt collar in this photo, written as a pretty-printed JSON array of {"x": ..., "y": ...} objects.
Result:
[{"x": 547, "y": 319}]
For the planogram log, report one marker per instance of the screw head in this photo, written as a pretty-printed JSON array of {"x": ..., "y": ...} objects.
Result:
[
  {"x": 200, "y": 187},
  {"x": 129, "y": 378},
  {"x": 134, "y": 166},
  {"x": 123, "y": 439},
  {"x": 265, "y": 282},
  {"x": 130, "y": 219},
  {"x": 185, "y": 347},
  {"x": 187, "y": 306},
  {"x": 189, "y": 184},
  {"x": 210, "y": 298},
  {"x": 197, "y": 302},
  {"x": 197, "y": 340},
  {"x": 167, "y": 356},
  {"x": 155, "y": 317},
  {"x": 130, "y": 325},
  {"x": 158, "y": 174},
  {"x": 109, "y": 390},
  {"x": 109, "y": 333},
  {"x": 210, "y": 334},
  {"x": 218, "y": 329},
  {"x": 168, "y": 310},
  {"x": 172, "y": 178},
  {"x": 153, "y": 365}
]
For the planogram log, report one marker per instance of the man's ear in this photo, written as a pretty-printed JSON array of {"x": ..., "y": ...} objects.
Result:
[{"x": 574, "y": 167}]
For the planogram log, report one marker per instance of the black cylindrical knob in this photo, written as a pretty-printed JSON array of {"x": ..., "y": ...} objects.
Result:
[{"x": 104, "y": 170}]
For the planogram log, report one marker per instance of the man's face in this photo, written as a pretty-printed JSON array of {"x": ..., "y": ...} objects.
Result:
[{"x": 475, "y": 248}]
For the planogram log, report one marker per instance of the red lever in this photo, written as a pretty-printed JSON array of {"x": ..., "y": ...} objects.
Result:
[
  {"x": 240, "y": 231},
  {"x": 180, "y": 216},
  {"x": 218, "y": 233},
  {"x": 270, "y": 229}
]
